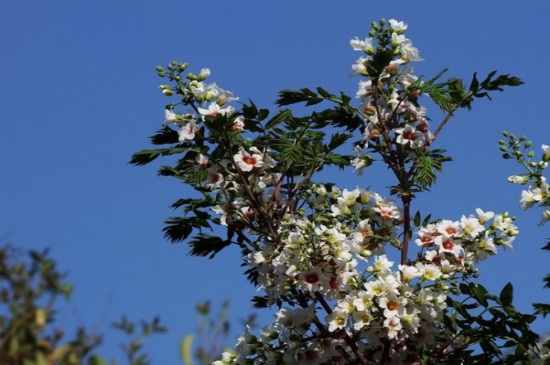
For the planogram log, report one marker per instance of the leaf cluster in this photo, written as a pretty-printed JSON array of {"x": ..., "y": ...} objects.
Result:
[
  {"x": 490, "y": 322},
  {"x": 453, "y": 94}
]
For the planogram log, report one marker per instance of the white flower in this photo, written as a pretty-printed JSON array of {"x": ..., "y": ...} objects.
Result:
[
  {"x": 545, "y": 217},
  {"x": 225, "y": 97},
  {"x": 215, "y": 109},
  {"x": 336, "y": 320},
  {"x": 391, "y": 304},
  {"x": 170, "y": 116},
  {"x": 408, "y": 273},
  {"x": 202, "y": 161},
  {"x": 359, "y": 45},
  {"x": 471, "y": 226},
  {"x": 202, "y": 91},
  {"x": 205, "y": 72},
  {"x": 363, "y": 300},
  {"x": 397, "y": 26},
  {"x": 393, "y": 326},
  {"x": 484, "y": 216},
  {"x": 247, "y": 162},
  {"x": 381, "y": 266},
  {"x": 428, "y": 272},
  {"x": 530, "y": 197},
  {"x": 408, "y": 52},
  {"x": 410, "y": 136},
  {"x": 382, "y": 285},
  {"x": 187, "y": 132},
  {"x": 359, "y": 68}
]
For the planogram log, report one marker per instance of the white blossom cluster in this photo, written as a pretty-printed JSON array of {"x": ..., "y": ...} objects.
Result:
[
  {"x": 538, "y": 192},
  {"x": 344, "y": 261},
  {"x": 329, "y": 261},
  {"x": 387, "y": 103},
  {"x": 213, "y": 101}
]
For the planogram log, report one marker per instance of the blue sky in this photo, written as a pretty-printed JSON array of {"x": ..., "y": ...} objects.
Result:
[{"x": 78, "y": 95}]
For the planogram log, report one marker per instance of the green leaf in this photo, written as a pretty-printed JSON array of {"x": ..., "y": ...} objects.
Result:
[
  {"x": 166, "y": 135},
  {"x": 206, "y": 245},
  {"x": 278, "y": 119},
  {"x": 479, "y": 293},
  {"x": 427, "y": 163},
  {"x": 507, "y": 295},
  {"x": 96, "y": 360},
  {"x": 542, "y": 308},
  {"x": 146, "y": 156},
  {"x": 416, "y": 219},
  {"x": 179, "y": 228},
  {"x": 288, "y": 97},
  {"x": 338, "y": 139}
]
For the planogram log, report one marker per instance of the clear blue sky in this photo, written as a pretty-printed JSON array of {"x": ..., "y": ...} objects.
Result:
[{"x": 78, "y": 95}]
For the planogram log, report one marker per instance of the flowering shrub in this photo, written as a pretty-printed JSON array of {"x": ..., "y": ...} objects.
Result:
[
  {"x": 357, "y": 277},
  {"x": 538, "y": 192}
]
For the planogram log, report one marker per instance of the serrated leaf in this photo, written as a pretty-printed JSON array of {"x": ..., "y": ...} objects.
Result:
[
  {"x": 166, "y": 135},
  {"x": 278, "y": 119},
  {"x": 206, "y": 245},
  {"x": 178, "y": 229},
  {"x": 542, "y": 309},
  {"x": 338, "y": 139}
]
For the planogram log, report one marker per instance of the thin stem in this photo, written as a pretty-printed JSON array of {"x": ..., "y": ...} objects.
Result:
[{"x": 406, "y": 198}]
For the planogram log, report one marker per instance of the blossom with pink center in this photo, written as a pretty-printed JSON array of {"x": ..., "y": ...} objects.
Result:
[
  {"x": 238, "y": 124},
  {"x": 311, "y": 279},
  {"x": 449, "y": 228},
  {"x": 387, "y": 212},
  {"x": 410, "y": 136},
  {"x": 247, "y": 162},
  {"x": 391, "y": 304},
  {"x": 393, "y": 326},
  {"x": 447, "y": 244},
  {"x": 187, "y": 132},
  {"x": 215, "y": 109},
  {"x": 202, "y": 161}
]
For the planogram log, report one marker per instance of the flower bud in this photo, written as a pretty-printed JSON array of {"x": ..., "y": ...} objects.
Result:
[
  {"x": 528, "y": 144},
  {"x": 166, "y": 90},
  {"x": 531, "y": 154},
  {"x": 546, "y": 153},
  {"x": 182, "y": 66},
  {"x": 209, "y": 96}
]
